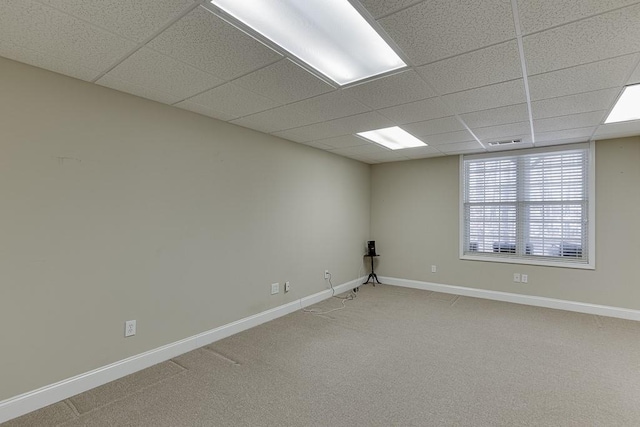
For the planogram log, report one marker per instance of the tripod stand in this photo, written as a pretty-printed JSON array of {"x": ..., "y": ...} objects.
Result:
[{"x": 372, "y": 276}]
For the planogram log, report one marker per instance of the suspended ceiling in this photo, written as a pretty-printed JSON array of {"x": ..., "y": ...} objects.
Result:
[{"x": 543, "y": 71}]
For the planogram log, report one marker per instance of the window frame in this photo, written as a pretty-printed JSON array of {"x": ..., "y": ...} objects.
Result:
[{"x": 591, "y": 210}]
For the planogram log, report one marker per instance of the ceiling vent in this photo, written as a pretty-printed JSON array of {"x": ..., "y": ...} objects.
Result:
[{"x": 511, "y": 141}]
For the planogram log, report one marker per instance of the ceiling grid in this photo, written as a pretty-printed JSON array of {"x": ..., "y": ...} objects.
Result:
[{"x": 542, "y": 71}]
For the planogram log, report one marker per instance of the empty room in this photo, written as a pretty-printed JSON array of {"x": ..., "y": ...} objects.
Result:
[{"x": 319, "y": 213}]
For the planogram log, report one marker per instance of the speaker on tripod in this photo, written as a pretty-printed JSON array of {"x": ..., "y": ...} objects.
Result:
[{"x": 371, "y": 248}]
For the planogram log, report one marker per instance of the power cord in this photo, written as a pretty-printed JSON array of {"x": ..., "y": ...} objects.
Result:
[{"x": 351, "y": 296}]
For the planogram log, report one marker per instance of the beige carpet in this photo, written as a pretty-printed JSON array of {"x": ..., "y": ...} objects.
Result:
[{"x": 392, "y": 357}]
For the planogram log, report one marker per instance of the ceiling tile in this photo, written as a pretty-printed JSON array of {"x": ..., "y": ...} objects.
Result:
[
  {"x": 368, "y": 150},
  {"x": 307, "y": 133},
  {"x": 635, "y": 76},
  {"x": 421, "y": 152},
  {"x": 574, "y": 104},
  {"x": 498, "y": 95},
  {"x": 364, "y": 159},
  {"x": 461, "y": 147},
  {"x": 158, "y": 72},
  {"x": 337, "y": 127},
  {"x": 344, "y": 141},
  {"x": 449, "y": 138},
  {"x": 618, "y": 130},
  {"x": 554, "y": 142},
  {"x": 378, "y": 8},
  {"x": 496, "y": 116},
  {"x": 433, "y": 127},
  {"x": 582, "y": 78},
  {"x": 212, "y": 45},
  {"x": 392, "y": 90},
  {"x": 457, "y": 26},
  {"x": 284, "y": 82},
  {"x": 205, "y": 111},
  {"x": 427, "y": 109},
  {"x": 508, "y": 131},
  {"x": 572, "y": 121},
  {"x": 330, "y": 106},
  {"x": 136, "y": 20},
  {"x": 565, "y": 134},
  {"x": 393, "y": 156},
  {"x": 280, "y": 118},
  {"x": 43, "y": 29},
  {"x": 314, "y": 110},
  {"x": 359, "y": 157},
  {"x": 536, "y": 15},
  {"x": 604, "y": 36},
  {"x": 42, "y": 60},
  {"x": 317, "y": 144},
  {"x": 482, "y": 67},
  {"x": 141, "y": 91},
  {"x": 233, "y": 100}
]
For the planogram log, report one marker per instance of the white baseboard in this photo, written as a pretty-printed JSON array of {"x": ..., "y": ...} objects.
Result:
[
  {"x": 580, "y": 307},
  {"x": 36, "y": 399}
]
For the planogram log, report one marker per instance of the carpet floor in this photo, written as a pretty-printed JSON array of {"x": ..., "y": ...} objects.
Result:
[{"x": 392, "y": 357}]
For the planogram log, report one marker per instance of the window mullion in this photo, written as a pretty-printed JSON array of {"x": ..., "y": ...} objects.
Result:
[{"x": 521, "y": 208}]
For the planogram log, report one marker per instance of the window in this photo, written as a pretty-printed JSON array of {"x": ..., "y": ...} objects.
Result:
[{"x": 534, "y": 208}]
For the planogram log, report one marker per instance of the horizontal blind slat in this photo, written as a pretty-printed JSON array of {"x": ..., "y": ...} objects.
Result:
[{"x": 527, "y": 205}]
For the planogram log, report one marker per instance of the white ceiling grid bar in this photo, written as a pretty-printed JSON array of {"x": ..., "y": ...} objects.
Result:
[
  {"x": 140, "y": 45},
  {"x": 461, "y": 88},
  {"x": 455, "y": 114},
  {"x": 523, "y": 63}
]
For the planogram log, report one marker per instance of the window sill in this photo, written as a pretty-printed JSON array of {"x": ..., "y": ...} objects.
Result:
[{"x": 528, "y": 261}]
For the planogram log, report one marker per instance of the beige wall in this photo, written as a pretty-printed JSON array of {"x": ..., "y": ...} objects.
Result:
[
  {"x": 117, "y": 208},
  {"x": 414, "y": 220}
]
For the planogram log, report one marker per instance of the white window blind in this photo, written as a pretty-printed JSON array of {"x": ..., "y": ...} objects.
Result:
[{"x": 532, "y": 206}]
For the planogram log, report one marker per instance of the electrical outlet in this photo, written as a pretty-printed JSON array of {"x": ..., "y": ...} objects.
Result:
[
  {"x": 326, "y": 274},
  {"x": 275, "y": 288},
  {"x": 434, "y": 269},
  {"x": 129, "y": 328},
  {"x": 524, "y": 278},
  {"x": 287, "y": 286},
  {"x": 516, "y": 277}
]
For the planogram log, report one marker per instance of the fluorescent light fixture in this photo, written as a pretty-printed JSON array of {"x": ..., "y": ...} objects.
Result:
[
  {"x": 329, "y": 36},
  {"x": 393, "y": 138},
  {"x": 628, "y": 106}
]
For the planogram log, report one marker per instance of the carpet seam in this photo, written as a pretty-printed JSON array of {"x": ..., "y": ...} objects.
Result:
[
  {"x": 72, "y": 406},
  {"x": 131, "y": 394},
  {"x": 181, "y": 366},
  {"x": 221, "y": 356}
]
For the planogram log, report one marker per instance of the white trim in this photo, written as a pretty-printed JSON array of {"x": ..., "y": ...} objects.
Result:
[
  {"x": 461, "y": 211},
  {"x": 591, "y": 226},
  {"x": 526, "y": 151},
  {"x": 542, "y": 261},
  {"x": 47, "y": 395},
  {"x": 547, "y": 262},
  {"x": 559, "y": 304}
]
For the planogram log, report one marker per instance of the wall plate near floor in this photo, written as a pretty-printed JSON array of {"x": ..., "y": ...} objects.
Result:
[{"x": 275, "y": 288}]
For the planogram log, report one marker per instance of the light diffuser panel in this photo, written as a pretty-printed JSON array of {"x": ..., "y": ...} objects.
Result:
[
  {"x": 330, "y": 36},
  {"x": 628, "y": 106},
  {"x": 394, "y": 138}
]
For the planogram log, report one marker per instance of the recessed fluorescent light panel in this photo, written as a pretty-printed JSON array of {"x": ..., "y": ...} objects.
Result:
[
  {"x": 329, "y": 36},
  {"x": 393, "y": 138},
  {"x": 628, "y": 106}
]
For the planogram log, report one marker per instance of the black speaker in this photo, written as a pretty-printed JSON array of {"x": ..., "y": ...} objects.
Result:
[{"x": 371, "y": 248}]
